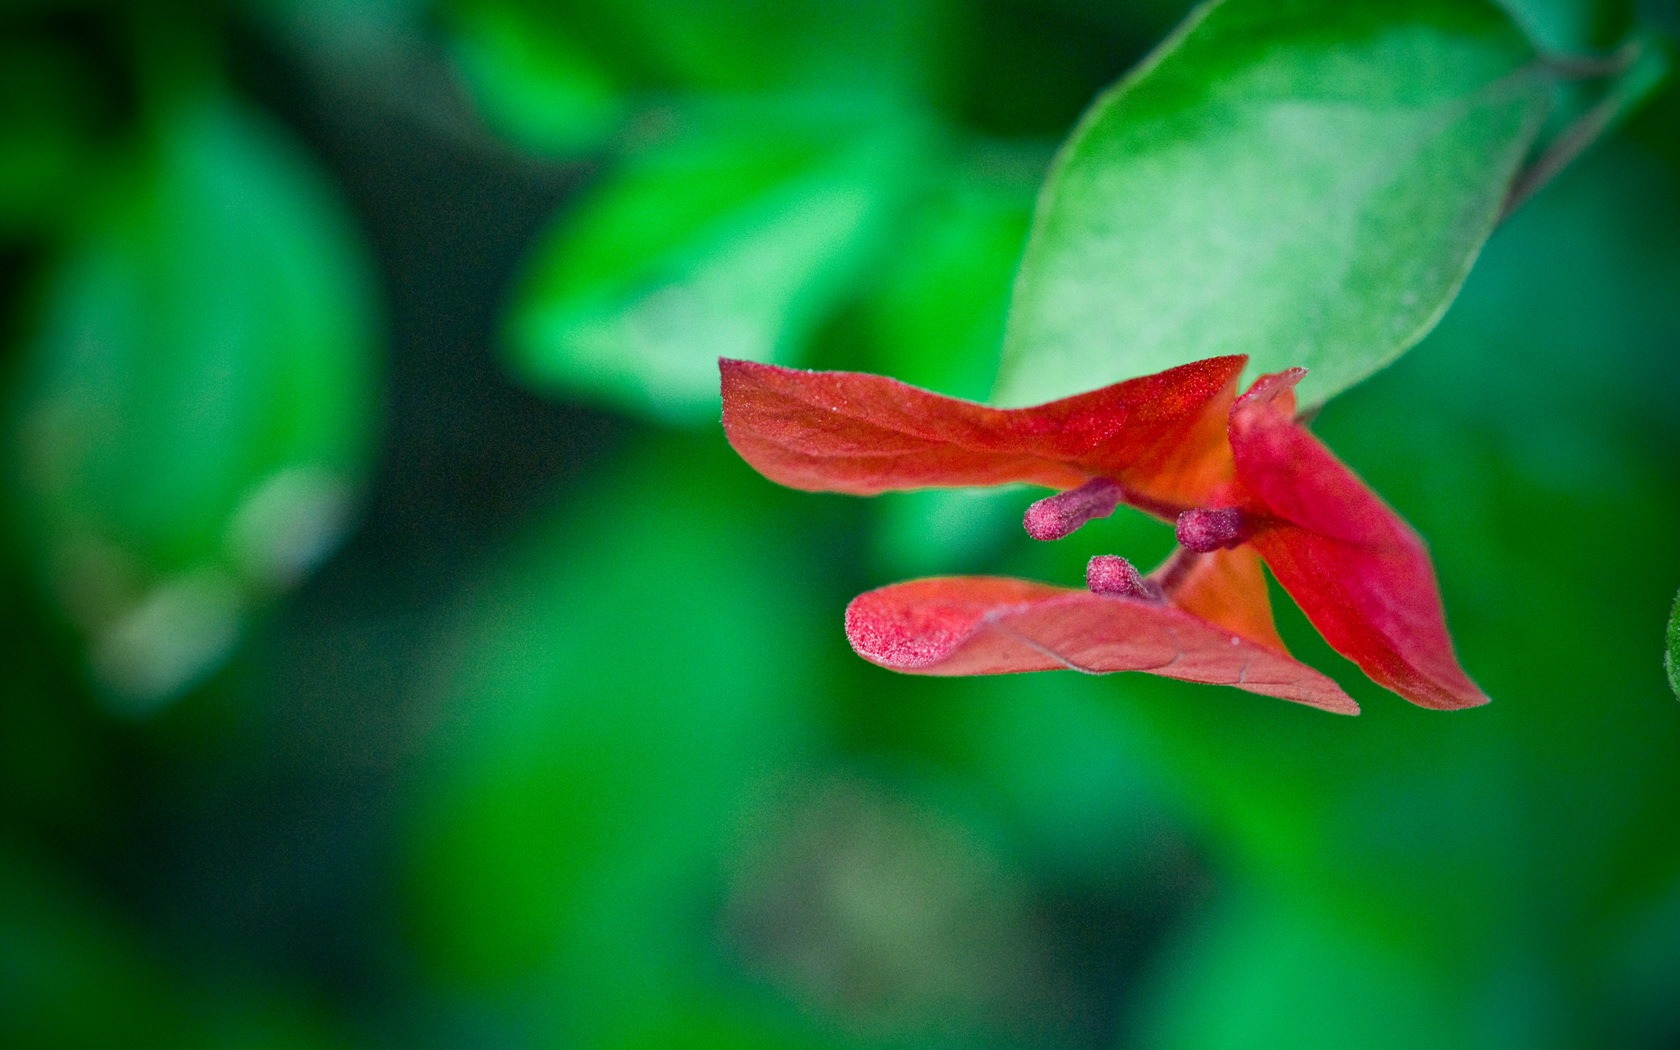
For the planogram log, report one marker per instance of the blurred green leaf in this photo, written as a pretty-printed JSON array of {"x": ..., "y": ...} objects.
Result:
[
  {"x": 1574, "y": 26},
  {"x": 711, "y": 1023},
  {"x": 1069, "y": 772},
  {"x": 1306, "y": 183},
  {"x": 866, "y": 47},
  {"x": 939, "y": 312},
  {"x": 1641, "y": 987},
  {"x": 541, "y": 88},
  {"x": 192, "y": 413},
  {"x": 936, "y": 321},
  {"x": 68, "y": 978},
  {"x": 933, "y": 531},
  {"x": 640, "y": 674},
  {"x": 559, "y": 77},
  {"x": 733, "y": 237},
  {"x": 1671, "y": 658},
  {"x": 878, "y": 902},
  {"x": 1255, "y": 973}
]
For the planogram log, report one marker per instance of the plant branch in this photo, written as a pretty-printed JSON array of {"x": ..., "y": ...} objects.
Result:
[
  {"x": 1591, "y": 125},
  {"x": 1593, "y": 67}
]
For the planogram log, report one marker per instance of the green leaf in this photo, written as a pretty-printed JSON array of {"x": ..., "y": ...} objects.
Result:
[
  {"x": 735, "y": 237},
  {"x": 560, "y": 79},
  {"x": 931, "y": 532},
  {"x": 1053, "y": 761},
  {"x": 540, "y": 88},
  {"x": 1255, "y": 972},
  {"x": 1671, "y": 658},
  {"x": 639, "y": 671},
  {"x": 192, "y": 414},
  {"x": 871, "y": 47},
  {"x": 1574, "y": 26},
  {"x": 938, "y": 315},
  {"x": 1304, "y": 182},
  {"x": 936, "y": 321}
]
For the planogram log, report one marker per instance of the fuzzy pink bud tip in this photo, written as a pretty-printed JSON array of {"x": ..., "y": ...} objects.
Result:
[
  {"x": 1060, "y": 515},
  {"x": 1205, "y": 531},
  {"x": 1116, "y": 577}
]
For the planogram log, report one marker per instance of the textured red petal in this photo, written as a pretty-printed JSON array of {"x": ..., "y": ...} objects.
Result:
[
  {"x": 1359, "y": 572},
  {"x": 1160, "y": 436},
  {"x": 969, "y": 625},
  {"x": 1226, "y": 588}
]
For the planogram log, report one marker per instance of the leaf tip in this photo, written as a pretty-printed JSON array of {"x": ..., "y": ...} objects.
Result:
[{"x": 894, "y": 641}]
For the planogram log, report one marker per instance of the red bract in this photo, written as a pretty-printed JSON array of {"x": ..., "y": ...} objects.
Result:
[
  {"x": 1359, "y": 572},
  {"x": 992, "y": 625},
  {"x": 1160, "y": 437},
  {"x": 1240, "y": 477}
]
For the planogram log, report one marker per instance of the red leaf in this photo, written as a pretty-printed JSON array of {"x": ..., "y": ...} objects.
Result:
[
  {"x": 965, "y": 625},
  {"x": 1160, "y": 436},
  {"x": 1359, "y": 572}
]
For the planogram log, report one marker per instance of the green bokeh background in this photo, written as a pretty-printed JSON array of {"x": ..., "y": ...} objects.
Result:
[{"x": 393, "y": 653}]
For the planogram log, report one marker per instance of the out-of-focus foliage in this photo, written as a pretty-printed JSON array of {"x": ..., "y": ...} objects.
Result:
[
  {"x": 1574, "y": 26},
  {"x": 566, "y": 77},
  {"x": 1257, "y": 972},
  {"x": 72, "y": 976},
  {"x": 597, "y": 761},
  {"x": 937, "y": 320},
  {"x": 849, "y": 154},
  {"x": 191, "y": 414},
  {"x": 565, "y": 748},
  {"x": 732, "y": 236},
  {"x": 628, "y": 761}
]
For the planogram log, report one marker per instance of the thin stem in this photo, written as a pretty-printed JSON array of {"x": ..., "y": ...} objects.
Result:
[
  {"x": 1588, "y": 128},
  {"x": 1170, "y": 573},
  {"x": 1160, "y": 508},
  {"x": 1593, "y": 67}
]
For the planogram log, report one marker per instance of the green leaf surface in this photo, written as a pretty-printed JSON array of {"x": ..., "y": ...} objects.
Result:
[
  {"x": 936, "y": 321},
  {"x": 191, "y": 416},
  {"x": 734, "y": 237},
  {"x": 653, "y": 48},
  {"x": 540, "y": 88},
  {"x": 1671, "y": 658},
  {"x": 625, "y": 692},
  {"x": 938, "y": 315},
  {"x": 1304, "y": 182},
  {"x": 1574, "y": 26},
  {"x": 931, "y": 532},
  {"x": 1257, "y": 973}
]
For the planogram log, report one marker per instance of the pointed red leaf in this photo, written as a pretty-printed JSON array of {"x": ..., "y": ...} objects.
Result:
[
  {"x": 1359, "y": 572},
  {"x": 1160, "y": 436},
  {"x": 965, "y": 625}
]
